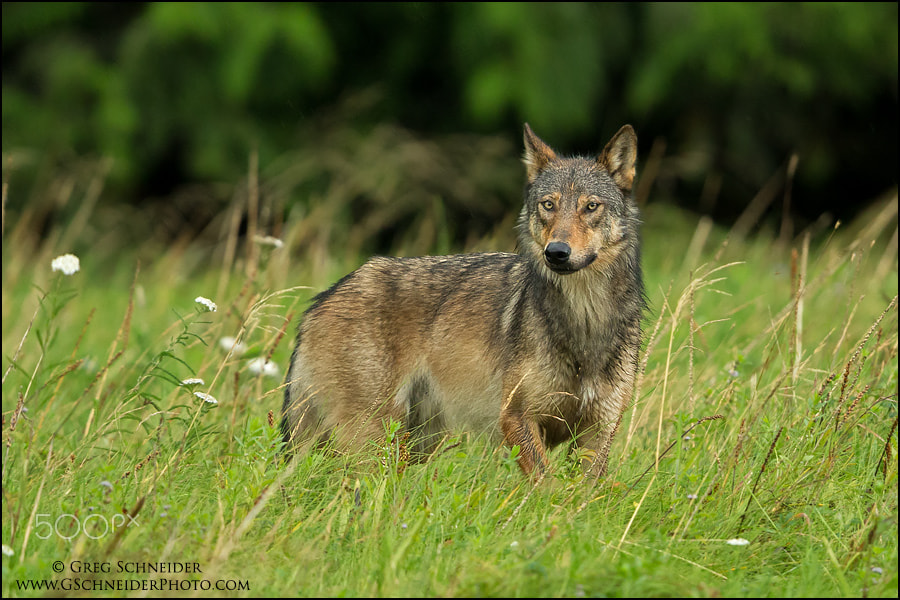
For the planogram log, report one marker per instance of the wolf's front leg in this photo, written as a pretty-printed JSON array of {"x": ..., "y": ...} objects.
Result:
[
  {"x": 605, "y": 402},
  {"x": 520, "y": 429},
  {"x": 594, "y": 444}
]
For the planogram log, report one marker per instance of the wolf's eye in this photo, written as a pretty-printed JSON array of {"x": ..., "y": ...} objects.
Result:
[
  {"x": 547, "y": 204},
  {"x": 593, "y": 204}
]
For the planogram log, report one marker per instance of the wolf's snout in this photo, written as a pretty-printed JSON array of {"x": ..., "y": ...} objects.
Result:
[{"x": 557, "y": 253}]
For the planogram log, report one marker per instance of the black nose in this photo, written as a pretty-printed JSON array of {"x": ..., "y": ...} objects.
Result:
[{"x": 557, "y": 253}]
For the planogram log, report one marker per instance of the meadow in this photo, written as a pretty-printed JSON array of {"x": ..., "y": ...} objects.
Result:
[{"x": 141, "y": 440}]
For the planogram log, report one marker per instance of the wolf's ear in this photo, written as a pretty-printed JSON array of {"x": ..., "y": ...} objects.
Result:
[
  {"x": 619, "y": 157},
  {"x": 537, "y": 154}
]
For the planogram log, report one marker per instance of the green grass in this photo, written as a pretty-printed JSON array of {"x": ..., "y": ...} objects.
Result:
[{"x": 767, "y": 411}]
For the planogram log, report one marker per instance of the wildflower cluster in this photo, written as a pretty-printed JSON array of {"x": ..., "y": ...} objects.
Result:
[
  {"x": 206, "y": 303},
  {"x": 68, "y": 264}
]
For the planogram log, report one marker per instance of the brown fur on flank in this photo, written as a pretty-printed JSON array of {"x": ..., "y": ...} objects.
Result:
[{"x": 538, "y": 347}]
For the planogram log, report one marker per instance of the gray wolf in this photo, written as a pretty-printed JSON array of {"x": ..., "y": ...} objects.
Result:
[{"x": 539, "y": 347}]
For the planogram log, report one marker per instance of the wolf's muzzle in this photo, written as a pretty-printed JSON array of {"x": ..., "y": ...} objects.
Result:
[{"x": 557, "y": 253}]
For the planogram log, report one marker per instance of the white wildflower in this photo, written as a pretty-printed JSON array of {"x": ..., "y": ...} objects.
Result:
[
  {"x": 206, "y": 398},
  {"x": 67, "y": 263},
  {"x": 738, "y": 542},
  {"x": 268, "y": 240},
  {"x": 140, "y": 295},
  {"x": 89, "y": 364},
  {"x": 192, "y": 381},
  {"x": 514, "y": 545},
  {"x": 261, "y": 366},
  {"x": 7, "y": 551},
  {"x": 209, "y": 304},
  {"x": 232, "y": 346}
]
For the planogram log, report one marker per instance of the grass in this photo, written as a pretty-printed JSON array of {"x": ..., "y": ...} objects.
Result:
[{"x": 759, "y": 457}]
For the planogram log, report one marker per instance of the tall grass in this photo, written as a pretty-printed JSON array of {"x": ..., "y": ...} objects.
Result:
[{"x": 758, "y": 458}]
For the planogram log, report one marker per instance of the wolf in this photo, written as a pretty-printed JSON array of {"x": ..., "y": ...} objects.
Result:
[{"x": 537, "y": 347}]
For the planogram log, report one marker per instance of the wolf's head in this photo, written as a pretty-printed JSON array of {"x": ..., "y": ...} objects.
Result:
[{"x": 578, "y": 212}]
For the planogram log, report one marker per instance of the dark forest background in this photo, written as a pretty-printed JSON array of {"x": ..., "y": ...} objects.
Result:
[{"x": 791, "y": 104}]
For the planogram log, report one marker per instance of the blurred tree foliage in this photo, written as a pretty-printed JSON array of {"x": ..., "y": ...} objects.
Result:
[{"x": 183, "y": 92}]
